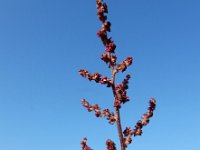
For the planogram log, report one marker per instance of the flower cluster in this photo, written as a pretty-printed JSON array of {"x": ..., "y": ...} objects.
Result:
[
  {"x": 98, "y": 78},
  {"x": 128, "y": 132},
  {"x": 121, "y": 96},
  {"x": 102, "y": 9},
  {"x": 110, "y": 46},
  {"x": 125, "y": 82},
  {"x": 123, "y": 65},
  {"x": 102, "y": 33},
  {"x": 110, "y": 145},
  {"x": 84, "y": 144},
  {"x": 149, "y": 113},
  {"x": 105, "y": 113},
  {"x": 120, "y": 90},
  {"x": 109, "y": 59}
]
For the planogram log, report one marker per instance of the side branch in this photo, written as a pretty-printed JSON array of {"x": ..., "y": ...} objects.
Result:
[
  {"x": 124, "y": 64},
  {"x": 137, "y": 131},
  {"x": 98, "y": 78},
  {"x": 105, "y": 113}
]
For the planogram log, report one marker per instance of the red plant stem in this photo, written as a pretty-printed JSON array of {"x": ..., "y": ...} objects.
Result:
[
  {"x": 120, "y": 129},
  {"x": 118, "y": 120}
]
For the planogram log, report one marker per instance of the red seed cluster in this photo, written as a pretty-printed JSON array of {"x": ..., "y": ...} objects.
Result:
[
  {"x": 98, "y": 78},
  {"x": 125, "y": 82},
  {"x": 149, "y": 113},
  {"x": 128, "y": 132},
  {"x": 106, "y": 26},
  {"x": 109, "y": 59},
  {"x": 123, "y": 65},
  {"x": 145, "y": 117},
  {"x": 110, "y": 46},
  {"x": 102, "y": 33},
  {"x": 84, "y": 144},
  {"x": 121, "y": 96},
  {"x": 110, "y": 145},
  {"x": 102, "y": 9},
  {"x": 105, "y": 113}
]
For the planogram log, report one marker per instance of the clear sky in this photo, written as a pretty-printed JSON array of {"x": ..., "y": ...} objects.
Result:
[{"x": 43, "y": 44}]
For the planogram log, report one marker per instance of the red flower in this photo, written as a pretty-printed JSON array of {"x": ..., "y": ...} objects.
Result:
[
  {"x": 110, "y": 47},
  {"x": 106, "y": 26}
]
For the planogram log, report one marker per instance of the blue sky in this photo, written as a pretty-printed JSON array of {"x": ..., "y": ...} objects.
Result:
[{"x": 43, "y": 44}]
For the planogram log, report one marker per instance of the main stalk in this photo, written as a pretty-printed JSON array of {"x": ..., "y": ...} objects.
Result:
[{"x": 117, "y": 110}]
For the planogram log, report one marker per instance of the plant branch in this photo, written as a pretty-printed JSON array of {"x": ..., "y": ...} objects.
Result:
[
  {"x": 119, "y": 90},
  {"x": 118, "y": 119}
]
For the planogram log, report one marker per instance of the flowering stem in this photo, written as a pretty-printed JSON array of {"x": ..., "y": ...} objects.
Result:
[
  {"x": 118, "y": 120},
  {"x": 119, "y": 90}
]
